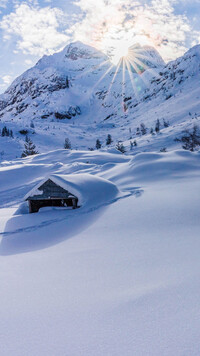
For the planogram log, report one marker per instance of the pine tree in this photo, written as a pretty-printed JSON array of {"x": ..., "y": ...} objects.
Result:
[
  {"x": 4, "y": 131},
  {"x": 29, "y": 148},
  {"x": 109, "y": 139},
  {"x": 67, "y": 144},
  {"x": 191, "y": 140},
  {"x": 67, "y": 82},
  {"x": 157, "y": 127},
  {"x": 138, "y": 131},
  {"x": 98, "y": 144},
  {"x": 165, "y": 123},
  {"x": 120, "y": 147},
  {"x": 143, "y": 129},
  {"x": 130, "y": 137},
  {"x": 133, "y": 144}
]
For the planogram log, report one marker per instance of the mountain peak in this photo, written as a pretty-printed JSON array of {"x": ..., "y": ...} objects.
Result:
[
  {"x": 78, "y": 49},
  {"x": 148, "y": 55}
]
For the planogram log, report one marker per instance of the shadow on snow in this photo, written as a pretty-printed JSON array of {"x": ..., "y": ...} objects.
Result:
[{"x": 31, "y": 232}]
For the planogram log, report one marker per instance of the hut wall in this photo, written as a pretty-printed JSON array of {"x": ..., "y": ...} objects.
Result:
[{"x": 51, "y": 195}]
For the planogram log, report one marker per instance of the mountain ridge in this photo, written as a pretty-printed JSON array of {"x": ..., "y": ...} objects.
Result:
[{"x": 80, "y": 92}]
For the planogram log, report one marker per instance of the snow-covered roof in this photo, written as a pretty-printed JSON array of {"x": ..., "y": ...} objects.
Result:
[{"x": 86, "y": 187}]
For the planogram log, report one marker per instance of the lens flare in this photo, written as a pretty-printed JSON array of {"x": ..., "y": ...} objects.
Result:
[{"x": 121, "y": 50}]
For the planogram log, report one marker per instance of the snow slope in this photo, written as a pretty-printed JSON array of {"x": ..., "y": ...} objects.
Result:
[{"x": 118, "y": 279}]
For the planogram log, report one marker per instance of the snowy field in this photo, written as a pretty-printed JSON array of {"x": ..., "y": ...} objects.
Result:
[{"x": 120, "y": 275}]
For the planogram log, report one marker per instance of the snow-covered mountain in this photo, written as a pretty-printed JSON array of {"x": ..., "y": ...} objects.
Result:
[
  {"x": 60, "y": 85},
  {"x": 78, "y": 93}
]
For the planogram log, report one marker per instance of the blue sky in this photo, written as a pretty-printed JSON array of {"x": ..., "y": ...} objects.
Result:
[{"x": 31, "y": 28}]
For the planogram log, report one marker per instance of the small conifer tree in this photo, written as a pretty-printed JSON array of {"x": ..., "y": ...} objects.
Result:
[
  {"x": 67, "y": 82},
  {"x": 191, "y": 140},
  {"x": 120, "y": 147},
  {"x": 29, "y": 148},
  {"x": 157, "y": 127},
  {"x": 138, "y": 131},
  {"x": 165, "y": 123},
  {"x": 109, "y": 139},
  {"x": 67, "y": 144},
  {"x": 4, "y": 131},
  {"x": 98, "y": 144},
  {"x": 143, "y": 128}
]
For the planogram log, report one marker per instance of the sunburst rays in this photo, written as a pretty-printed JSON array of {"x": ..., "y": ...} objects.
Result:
[{"x": 130, "y": 69}]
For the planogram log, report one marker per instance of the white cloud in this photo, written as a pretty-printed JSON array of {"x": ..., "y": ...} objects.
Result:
[
  {"x": 37, "y": 29},
  {"x": 3, "y": 3},
  {"x": 7, "y": 79},
  {"x": 107, "y": 23},
  {"x": 29, "y": 62}
]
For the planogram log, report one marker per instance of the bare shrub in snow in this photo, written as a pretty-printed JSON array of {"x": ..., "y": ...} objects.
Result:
[
  {"x": 23, "y": 132},
  {"x": 163, "y": 149}
]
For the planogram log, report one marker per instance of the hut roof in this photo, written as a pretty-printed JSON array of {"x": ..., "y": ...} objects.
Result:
[{"x": 86, "y": 187}]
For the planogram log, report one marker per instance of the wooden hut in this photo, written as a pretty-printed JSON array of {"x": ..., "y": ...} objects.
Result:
[{"x": 53, "y": 191}]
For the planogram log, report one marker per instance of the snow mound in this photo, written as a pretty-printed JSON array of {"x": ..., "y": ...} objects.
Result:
[{"x": 149, "y": 168}]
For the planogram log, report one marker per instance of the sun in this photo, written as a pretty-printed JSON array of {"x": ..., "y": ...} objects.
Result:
[{"x": 121, "y": 50}]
